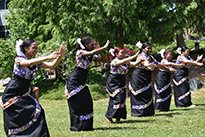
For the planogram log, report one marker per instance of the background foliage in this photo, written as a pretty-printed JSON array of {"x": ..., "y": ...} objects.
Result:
[{"x": 53, "y": 23}]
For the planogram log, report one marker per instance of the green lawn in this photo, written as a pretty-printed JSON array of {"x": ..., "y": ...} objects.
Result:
[{"x": 178, "y": 122}]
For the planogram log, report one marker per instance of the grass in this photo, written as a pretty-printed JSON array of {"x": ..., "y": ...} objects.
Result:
[{"x": 181, "y": 122}]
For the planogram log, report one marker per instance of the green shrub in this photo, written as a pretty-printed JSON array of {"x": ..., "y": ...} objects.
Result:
[
  {"x": 52, "y": 90},
  {"x": 7, "y": 56},
  {"x": 97, "y": 91}
]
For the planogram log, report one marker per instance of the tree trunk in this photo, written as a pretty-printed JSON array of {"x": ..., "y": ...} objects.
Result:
[{"x": 180, "y": 40}]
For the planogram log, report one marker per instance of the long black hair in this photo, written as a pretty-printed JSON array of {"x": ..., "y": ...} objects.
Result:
[
  {"x": 144, "y": 45},
  {"x": 184, "y": 48},
  {"x": 85, "y": 41},
  {"x": 26, "y": 43}
]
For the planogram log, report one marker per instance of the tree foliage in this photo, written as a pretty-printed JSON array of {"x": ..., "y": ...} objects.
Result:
[
  {"x": 7, "y": 55},
  {"x": 52, "y": 23}
]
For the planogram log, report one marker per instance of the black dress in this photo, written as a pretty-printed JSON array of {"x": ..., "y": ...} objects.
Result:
[
  {"x": 115, "y": 87},
  {"x": 23, "y": 115},
  {"x": 163, "y": 90},
  {"x": 78, "y": 95},
  {"x": 141, "y": 90},
  {"x": 182, "y": 93}
]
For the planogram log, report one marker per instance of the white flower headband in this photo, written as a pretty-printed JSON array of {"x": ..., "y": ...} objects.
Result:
[
  {"x": 79, "y": 42},
  {"x": 112, "y": 52},
  {"x": 139, "y": 44},
  {"x": 179, "y": 50},
  {"x": 162, "y": 53},
  {"x": 18, "y": 48}
]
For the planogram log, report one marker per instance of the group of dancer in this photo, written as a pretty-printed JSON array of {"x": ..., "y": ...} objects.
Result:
[{"x": 24, "y": 116}]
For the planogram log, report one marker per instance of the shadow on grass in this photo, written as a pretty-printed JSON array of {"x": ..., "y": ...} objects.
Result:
[
  {"x": 136, "y": 121},
  {"x": 187, "y": 108},
  {"x": 115, "y": 128},
  {"x": 123, "y": 122},
  {"x": 168, "y": 114},
  {"x": 182, "y": 109},
  {"x": 199, "y": 105}
]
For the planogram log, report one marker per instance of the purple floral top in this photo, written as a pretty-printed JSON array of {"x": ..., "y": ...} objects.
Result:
[
  {"x": 181, "y": 58},
  {"x": 27, "y": 72},
  {"x": 122, "y": 69},
  {"x": 143, "y": 56},
  {"x": 84, "y": 61}
]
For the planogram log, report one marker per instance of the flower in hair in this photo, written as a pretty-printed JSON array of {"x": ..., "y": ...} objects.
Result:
[
  {"x": 112, "y": 52},
  {"x": 162, "y": 53},
  {"x": 139, "y": 44},
  {"x": 79, "y": 42},
  {"x": 179, "y": 50},
  {"x": 18, "y": 48}
]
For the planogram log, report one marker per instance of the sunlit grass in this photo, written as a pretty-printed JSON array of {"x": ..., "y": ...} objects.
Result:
[{"x": 181, "y": 122}]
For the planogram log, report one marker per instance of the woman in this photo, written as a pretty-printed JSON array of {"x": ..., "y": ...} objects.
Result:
[
  {"x": 182, "y": 94},
  {"x": 77, "y": 93},
  {"x": 140, "y": 83},
  {"x": 116, "y": 81},
  {"x": 163, "y": 83},
  {"x": 23, "y": 115}
]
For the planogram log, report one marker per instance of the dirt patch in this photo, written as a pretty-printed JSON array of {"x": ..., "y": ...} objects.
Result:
[{"x": 198, "y": 94}]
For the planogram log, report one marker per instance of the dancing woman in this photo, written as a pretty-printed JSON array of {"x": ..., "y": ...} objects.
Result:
[
  {"x": 78, "y": 95},
  {"x": 163, "y": 82},
  {"x": 23, "y": 115},
  {"x": 182, "y": 93},
  {"x": 116, "y": 81},
  {"x": 140, "y": 83}
]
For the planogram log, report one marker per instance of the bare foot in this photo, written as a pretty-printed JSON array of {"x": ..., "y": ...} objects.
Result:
[
  {"x": 117, "y": 120},
  {"x": 192, "y": 106},
  {"x": 109, "y": 120}
]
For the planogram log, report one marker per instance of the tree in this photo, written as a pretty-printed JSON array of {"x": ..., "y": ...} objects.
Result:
[
  {"x": 7, "y": 55},
  {"x": 52, "y": 23},
  {"x": 195, "y": 20}
]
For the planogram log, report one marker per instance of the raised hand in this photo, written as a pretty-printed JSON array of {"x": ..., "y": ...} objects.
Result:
[
  {"x": 62, "y": 50},
  {"x": 137, "y": 54},
  {"x": 107, "y": 43},
  {"x": 200, "y": 64},
  {"x": 199, "y": 57},
  {"x": 54, "y": 55}
]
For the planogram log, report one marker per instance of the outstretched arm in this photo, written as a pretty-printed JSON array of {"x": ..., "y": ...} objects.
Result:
[
  {"x": 137, "y": 62},
  {"x": 54, "y": 63},
  {"x": 102, "y": 57},
  {"x": 199, "y": 58},
  {"x": 96, "y": 50},
  {"x": 193, "y": 63},
  {"x": 174, "y": 65},
  {"x": 126, "y": 60},
  {"x": 161, "y": 66},
  {"x": 36, "y": 61}
]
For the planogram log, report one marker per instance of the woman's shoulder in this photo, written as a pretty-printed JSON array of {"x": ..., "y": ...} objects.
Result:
[
  {"x": 141, "y": 56},
  {"x": 113, "y": 62},
  {"x": 19, "y": 58}
]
